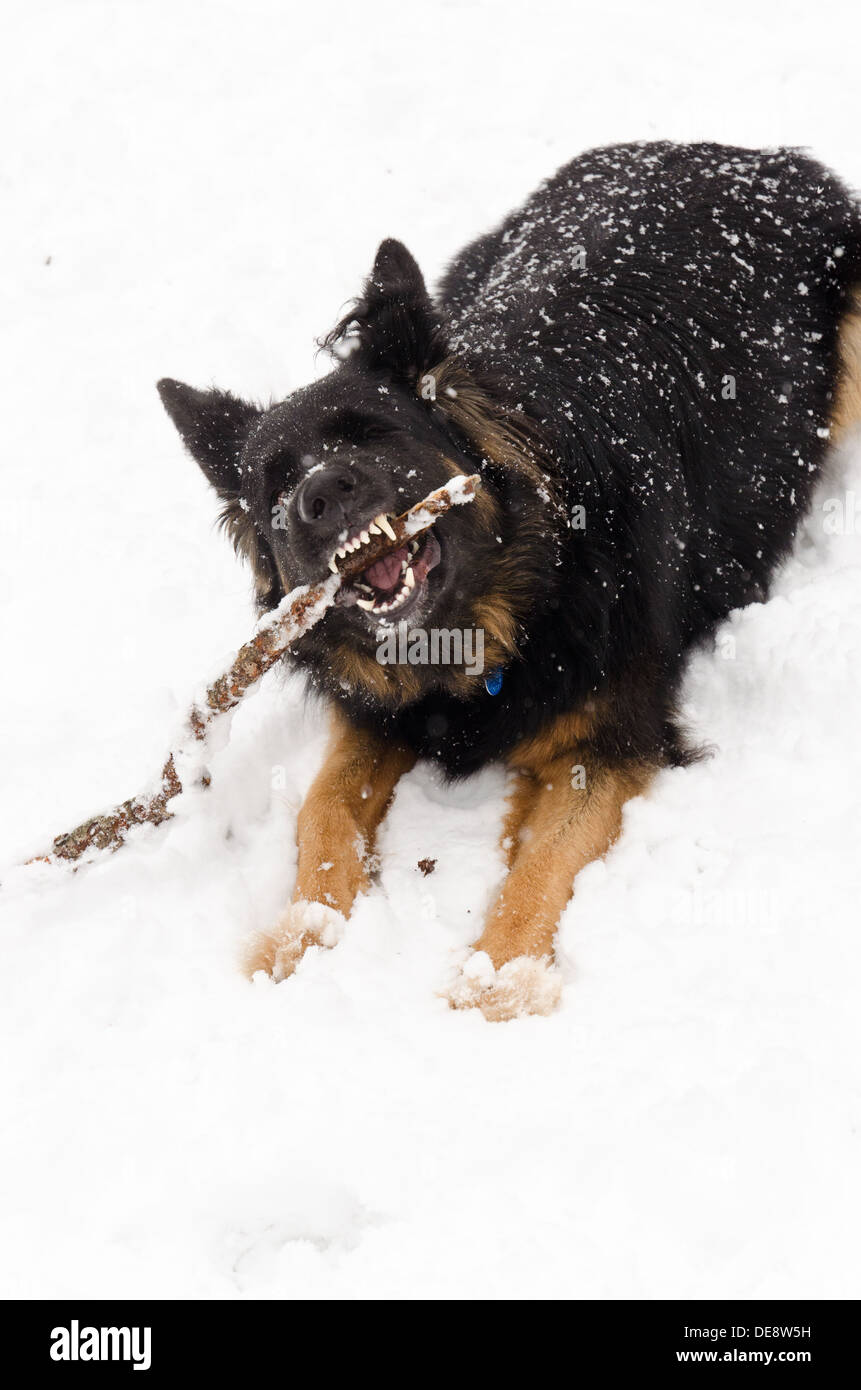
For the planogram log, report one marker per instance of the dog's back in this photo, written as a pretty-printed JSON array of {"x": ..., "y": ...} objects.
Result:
[{"x": 671, "y": 314}]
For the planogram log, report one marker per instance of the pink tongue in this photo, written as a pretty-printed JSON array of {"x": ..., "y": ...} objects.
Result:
[{"x": 385, "y": 574}]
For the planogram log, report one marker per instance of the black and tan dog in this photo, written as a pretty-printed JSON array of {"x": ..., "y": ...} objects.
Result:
[{"x": 644, "y": 363}]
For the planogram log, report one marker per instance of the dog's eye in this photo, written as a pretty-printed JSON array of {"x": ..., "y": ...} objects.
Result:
[{"x": 353, "y": 428}]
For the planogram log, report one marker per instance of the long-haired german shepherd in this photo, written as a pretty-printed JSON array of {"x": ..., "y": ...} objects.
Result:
[{"x": 645, "y": 363}]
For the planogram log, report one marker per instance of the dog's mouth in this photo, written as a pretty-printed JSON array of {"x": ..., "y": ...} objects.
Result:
[{"x": 394, "y": 585}]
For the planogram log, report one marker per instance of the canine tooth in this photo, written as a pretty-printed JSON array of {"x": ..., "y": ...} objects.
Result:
[
  {"x": 409, "y": 578},
  {"x": 365, "y": 602},
  {"x": 383, "y": 521},
  {"x": 374, "y": 529},
  {"x": 332, "y": 566}
]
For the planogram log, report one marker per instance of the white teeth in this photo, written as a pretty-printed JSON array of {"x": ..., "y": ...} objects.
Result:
[
  {"x": 409, "y": 578},
  {"x": 375, "y": 528},
  {"x": 365, "y": 602}
]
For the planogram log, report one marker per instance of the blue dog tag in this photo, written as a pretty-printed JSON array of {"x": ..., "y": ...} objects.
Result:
[{"x": 493, "y": 681}]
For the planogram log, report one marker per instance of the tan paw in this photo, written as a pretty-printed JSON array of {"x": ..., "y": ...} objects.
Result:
[
  {"x": 521, "y": 986},
  {"x": 304, "y": 924}
]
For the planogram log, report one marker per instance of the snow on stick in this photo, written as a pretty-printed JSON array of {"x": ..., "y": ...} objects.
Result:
[{"x": 295, "y": 615}]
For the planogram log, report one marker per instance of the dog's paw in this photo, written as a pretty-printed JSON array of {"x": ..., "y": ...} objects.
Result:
[
  {"x": 304, "y": 924},
  {"x": 521, "y": 986}
]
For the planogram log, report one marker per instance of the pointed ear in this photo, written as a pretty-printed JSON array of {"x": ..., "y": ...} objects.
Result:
[
  {"x": 214, "y": 426},
  {"x": 395, "y": 323},
  {"x": 395, "y": 271}
]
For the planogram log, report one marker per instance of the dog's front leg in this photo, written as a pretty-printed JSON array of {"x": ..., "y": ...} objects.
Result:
[
  {"x": 336, "y": 832},
  {"x": 563, "y": 813}
]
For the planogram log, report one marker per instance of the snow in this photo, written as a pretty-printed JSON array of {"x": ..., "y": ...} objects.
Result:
[
  {"x": 280, "y": 616},
  {"x": 200, "y": 197}
]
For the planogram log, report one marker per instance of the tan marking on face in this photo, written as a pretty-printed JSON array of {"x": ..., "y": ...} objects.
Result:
[
  {"x": 507, "y": 437},
  {"x": 846, "y": 408},
  {"x": 492, "y": 613}
]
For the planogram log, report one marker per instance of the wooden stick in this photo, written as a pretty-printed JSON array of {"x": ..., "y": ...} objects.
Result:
[{"x": 295, "y": 615}]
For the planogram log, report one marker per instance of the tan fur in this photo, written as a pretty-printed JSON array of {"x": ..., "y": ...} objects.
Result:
[
  {"x": 339, "y": 819},
  {"x": 557, "y": 738},
  {"x": 522, "y": 795},
  {"x": 493, "y": 615},
  {"x": 336, "y": 833},
  {"x": 360, "y": 670},
  {"x": 497, "y": 613},
  {"x": 846, "y": 410},
  {"x": 552, "y": 830},
  {"x": 267, "y": 950}
]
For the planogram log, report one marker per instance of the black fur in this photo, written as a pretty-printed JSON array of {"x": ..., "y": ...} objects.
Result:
[{"x": 609, "y": 380}]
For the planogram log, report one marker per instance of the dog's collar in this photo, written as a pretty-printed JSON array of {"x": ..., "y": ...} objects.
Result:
[{"x": 493, "y": 681}]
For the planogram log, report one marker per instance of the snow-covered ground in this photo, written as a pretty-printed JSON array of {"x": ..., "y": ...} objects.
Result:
[{"x": 195, "y": 191}]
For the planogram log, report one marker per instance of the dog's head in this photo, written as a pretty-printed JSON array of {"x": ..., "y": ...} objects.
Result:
[{"x": 309, "y": 477}]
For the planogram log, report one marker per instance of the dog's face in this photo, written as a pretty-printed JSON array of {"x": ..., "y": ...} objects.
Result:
[
  {"x": 332, "y": 465},
  {"x": 316, "y": 475}
]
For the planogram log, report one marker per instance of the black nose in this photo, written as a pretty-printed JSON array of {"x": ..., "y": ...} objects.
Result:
[{"x": 323, "y": 497}]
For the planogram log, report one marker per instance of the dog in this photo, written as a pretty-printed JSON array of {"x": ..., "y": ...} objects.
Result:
[{"x": 646, "y": 364}]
